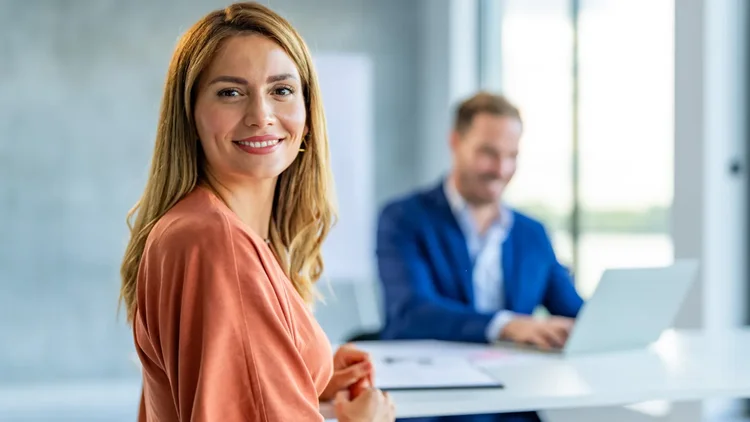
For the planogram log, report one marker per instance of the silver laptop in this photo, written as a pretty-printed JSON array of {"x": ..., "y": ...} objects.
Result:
[{"x": 630, "y": 308}]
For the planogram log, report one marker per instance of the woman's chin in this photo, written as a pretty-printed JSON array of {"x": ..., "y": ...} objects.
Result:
[{"x": 262, "y": 173}]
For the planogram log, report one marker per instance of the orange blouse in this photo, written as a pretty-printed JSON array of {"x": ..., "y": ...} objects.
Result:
[{"x": 220, "y": 331}]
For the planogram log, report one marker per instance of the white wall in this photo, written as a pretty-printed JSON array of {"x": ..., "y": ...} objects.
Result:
[{"x": 348, "y": 249}]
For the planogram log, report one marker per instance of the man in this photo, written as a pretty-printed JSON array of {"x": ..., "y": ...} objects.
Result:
[{"x": 457, "y": 264}]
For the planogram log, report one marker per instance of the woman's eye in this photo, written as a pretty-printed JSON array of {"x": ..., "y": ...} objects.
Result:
[
  {"x": 283, "y": 91},
  {"x": 229, "y": 93}
]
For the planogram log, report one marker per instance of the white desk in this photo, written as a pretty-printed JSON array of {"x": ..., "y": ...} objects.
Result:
[{"x": 681, "y": 366}]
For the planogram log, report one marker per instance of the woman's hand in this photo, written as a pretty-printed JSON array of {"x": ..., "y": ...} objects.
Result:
[
  {"x": 371, "y": 406},
  {"x": 352, "y": 371}
]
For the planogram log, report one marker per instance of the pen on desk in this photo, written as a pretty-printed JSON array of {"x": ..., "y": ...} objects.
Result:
[{"x": 422, "y": 361}]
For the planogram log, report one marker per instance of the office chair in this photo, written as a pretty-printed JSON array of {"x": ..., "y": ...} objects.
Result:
[
  {"x": 350, "y": 311},
  {"x": 364, "y": 336}
]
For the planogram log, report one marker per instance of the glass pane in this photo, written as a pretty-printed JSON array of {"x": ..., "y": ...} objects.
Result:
[
  {"x": 537, "y": 41},
  {"x": 626, "y": 72}
]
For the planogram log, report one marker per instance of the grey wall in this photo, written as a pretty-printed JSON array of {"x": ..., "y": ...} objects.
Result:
[
  {"x": 80, "y": 85},
  {"x": 449, "y": 72}
]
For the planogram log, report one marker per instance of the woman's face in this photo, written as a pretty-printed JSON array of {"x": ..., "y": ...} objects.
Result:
[{"x": 250, "y": 110}]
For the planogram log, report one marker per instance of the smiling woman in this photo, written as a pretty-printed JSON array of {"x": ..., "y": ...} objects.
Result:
[
  {"x": 225, "y": 241},
  {"x": 250, "y": 109}
]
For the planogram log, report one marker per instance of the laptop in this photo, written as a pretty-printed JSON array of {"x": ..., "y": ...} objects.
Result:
[{"x": 630, "y": 308}]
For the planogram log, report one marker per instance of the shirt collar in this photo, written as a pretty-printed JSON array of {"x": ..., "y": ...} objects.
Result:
[{"x": 459, "y": 206}]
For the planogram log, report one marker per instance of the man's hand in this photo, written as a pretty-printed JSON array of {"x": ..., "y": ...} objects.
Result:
[
  {"x": 545, "y": 334},
  {"x": 351, "y": 368}
]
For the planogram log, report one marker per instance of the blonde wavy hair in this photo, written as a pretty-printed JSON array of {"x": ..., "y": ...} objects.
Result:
[{"x": 303, "y": 206}]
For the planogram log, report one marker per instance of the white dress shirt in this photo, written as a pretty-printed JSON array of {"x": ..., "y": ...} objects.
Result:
[{"x": 485, "y": 250}]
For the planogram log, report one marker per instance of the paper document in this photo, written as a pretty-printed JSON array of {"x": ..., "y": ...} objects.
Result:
[
  {"x": 481, "y": 355},
  {"x": 412, "y": 373}
]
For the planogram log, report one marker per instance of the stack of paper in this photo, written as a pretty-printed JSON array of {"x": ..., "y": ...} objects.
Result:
[{"x": 411, "y": 373}]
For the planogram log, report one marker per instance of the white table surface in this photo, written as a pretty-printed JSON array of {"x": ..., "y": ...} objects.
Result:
[{"x": 681, "y": 366}]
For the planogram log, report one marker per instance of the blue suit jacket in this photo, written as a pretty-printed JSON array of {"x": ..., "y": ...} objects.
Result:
[{"x": 426, "y": 273}]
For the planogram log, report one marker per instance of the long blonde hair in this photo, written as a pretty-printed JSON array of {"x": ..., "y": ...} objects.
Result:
[{"x": 303, "y": 209}]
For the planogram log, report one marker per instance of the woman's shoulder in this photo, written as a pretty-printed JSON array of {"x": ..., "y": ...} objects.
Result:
[
  {"x": 199, "y": 220},
  {"x": 201, "y": 245}
]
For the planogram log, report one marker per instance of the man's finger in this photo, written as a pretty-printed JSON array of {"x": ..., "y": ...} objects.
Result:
[
  {"x": 566, "y": 323},
  {"x": 555, "y": 336},
  {"x": 563, "y": 331},
  {"x": 540, "y": 341}
]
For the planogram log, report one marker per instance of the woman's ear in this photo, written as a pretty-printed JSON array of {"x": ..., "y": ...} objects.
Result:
[{"x": 303, "y": 142}]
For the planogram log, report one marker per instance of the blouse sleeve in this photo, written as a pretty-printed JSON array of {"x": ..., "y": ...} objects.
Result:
[{"x": 227, "y": 341}]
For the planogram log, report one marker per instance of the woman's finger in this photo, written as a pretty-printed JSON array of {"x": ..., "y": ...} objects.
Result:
[
  {"x": 346, "y": 377},
  {"x": 341, "y": 397}
]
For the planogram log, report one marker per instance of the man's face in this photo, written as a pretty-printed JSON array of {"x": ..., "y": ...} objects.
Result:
[{"x": 485, "y": 157}]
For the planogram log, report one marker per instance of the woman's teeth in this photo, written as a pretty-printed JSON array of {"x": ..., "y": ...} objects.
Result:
[{"x": 262, "y": 144}]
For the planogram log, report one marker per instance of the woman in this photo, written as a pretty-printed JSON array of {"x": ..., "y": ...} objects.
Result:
[{"x": 226, "y": 239}]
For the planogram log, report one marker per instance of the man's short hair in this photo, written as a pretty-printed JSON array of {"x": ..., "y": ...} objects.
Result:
[{"x": 483, "y": 102}]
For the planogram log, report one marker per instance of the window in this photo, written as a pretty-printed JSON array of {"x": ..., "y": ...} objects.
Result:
[
  {"x": 536, "y": 69},
  {"x": 626, "y": 144},
  {"x": 612, "y": 172}
]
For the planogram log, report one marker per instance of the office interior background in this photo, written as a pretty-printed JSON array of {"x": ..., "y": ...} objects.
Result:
[{"x": 634, "y": 154}]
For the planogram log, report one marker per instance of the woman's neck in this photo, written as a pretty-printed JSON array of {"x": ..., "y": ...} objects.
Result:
[{"x": 251, "y": 201}]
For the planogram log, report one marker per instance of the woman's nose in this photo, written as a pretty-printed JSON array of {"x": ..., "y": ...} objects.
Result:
[{"x": 259, "y": 112}]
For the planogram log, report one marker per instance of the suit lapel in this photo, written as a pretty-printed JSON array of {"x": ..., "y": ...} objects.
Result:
[
  {"x": 510, "y": 273},
  {"x": 454, "y": 243}
]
